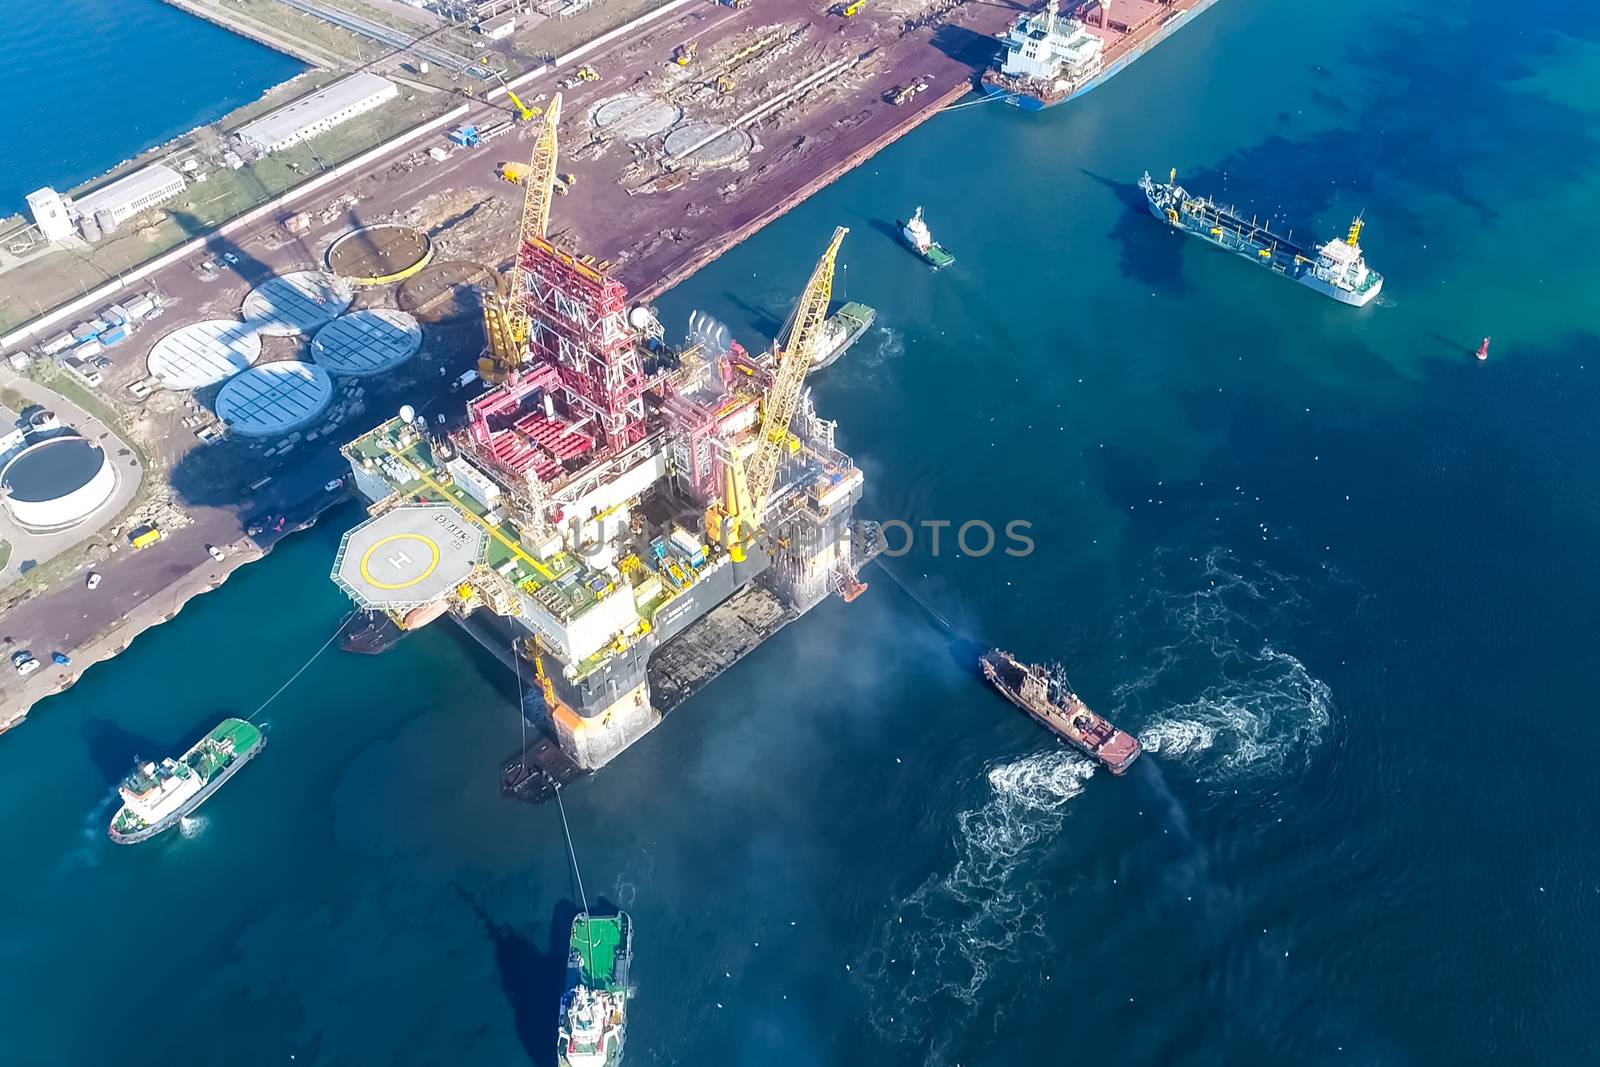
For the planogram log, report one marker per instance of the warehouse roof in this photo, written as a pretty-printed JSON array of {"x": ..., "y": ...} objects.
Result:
[
  {"x": 297, "y": 115},
  {"x": 139, "y": 184}
]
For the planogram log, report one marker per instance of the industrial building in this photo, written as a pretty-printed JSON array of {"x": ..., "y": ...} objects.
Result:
[
  {"x": 499, "y": 27},
  {"x": 50, "y": 214},
  {"x": 317, "y": 113},
  {"x": 124, "y": 198},
  {"x": 610, "y": 494}
]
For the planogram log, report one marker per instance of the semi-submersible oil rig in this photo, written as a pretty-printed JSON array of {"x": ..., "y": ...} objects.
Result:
[{"x": 610, "y": 493}]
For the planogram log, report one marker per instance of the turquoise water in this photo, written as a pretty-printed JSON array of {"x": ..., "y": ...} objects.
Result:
[
  {"x": 1334, "y": 571},
  {"x": 90, "y": 83}
]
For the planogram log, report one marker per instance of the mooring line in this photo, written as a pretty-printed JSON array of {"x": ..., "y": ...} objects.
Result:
[{"x": 303, "y": 667}]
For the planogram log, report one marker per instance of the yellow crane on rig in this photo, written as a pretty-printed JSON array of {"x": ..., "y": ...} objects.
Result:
[
  {"x": 505, "y": 320},
  {"x": 748, "y": 488}
]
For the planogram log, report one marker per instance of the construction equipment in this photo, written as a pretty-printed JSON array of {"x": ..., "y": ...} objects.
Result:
[
  {"x": 515, "y": 173},
  {"x": 684, "y": 54},
  {"x": 849, "y": 10},
  {"x": 725, "y": 84},
  {"x": 748, "y": 489},
  {"x": 506, "y": 320},
  {"x": 902, "y": 94},
  {"x": 588, "y": 74},
  {"x": 524, "y": 112}
]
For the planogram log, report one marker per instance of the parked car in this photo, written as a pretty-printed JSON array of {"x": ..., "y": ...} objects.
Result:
[
  {"x": 230, "y": 257},
  {"x": 24, "y": 662},
  {"x": 216, "y": 553},
  {"x": 93, "y": 580}
]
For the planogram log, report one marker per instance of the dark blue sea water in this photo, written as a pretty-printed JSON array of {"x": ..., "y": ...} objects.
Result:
[
  {"x": 1336, "y": 573},
  {"x": 90, "y": 83}
]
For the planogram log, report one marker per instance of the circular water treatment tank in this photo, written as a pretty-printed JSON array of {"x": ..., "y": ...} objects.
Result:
[
  {"x": 298, "y": 303},
  {"x": 635, "y": 116},
  {"x": 376, "y": 255},
  {"x": 275, "y": 398},
  {"x": 57, "y": 483},
  {"x": 204, "y": 353},
  {"x": 704, "y": 145},
  {"x": 367, "y": 342}
]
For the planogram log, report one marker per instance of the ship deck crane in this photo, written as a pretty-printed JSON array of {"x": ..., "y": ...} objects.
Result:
[
  {"x": 748, "y": 490},
  {"x": 506, "y": 318}
]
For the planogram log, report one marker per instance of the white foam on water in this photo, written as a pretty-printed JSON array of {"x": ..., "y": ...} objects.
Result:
[
  {"x": 1267, "y": 720},
  {"x": 1258, "y": 710},
  {"x": 192, "y": 826},
  {"x": 1177, "y": 738},
  {"x": 93, "y": 834},
  {"x": 938, "y": 947}
]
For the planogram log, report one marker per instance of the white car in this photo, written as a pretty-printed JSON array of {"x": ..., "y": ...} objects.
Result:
[
  {"x": 216, "y": 553},
  {"x": 93, "y": 579},
  {"x": 24, "y": 663},
  {"x": 230, "y": 257}
]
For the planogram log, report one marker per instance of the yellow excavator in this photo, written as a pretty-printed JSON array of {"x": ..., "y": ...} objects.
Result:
[
  {"x": 684, "y": 54},
  {"x": 747, "y": 488},
  {"x": 505, "y": 319}
]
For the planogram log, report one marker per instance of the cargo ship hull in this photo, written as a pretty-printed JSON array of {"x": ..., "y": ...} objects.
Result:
[
  {"x": 191, "y": 805},
  {"x": 1031, "y": 97},
  {"x": 1060, "y": 711},
  {"x": 1336, "y": 269}
]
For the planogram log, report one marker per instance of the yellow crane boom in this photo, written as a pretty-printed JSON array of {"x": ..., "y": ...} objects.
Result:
[
  {"x": 538, "y": 189},
  {"x": 505, "y": 320},
  {"x": 789, "y": 379}
]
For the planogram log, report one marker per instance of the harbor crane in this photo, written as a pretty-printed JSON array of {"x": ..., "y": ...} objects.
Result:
[
  {"x": 505, "y": 319},
  {"x": 748, "y": 490}
]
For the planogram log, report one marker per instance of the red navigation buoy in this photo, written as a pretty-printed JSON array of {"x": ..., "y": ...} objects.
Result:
[{"x": 1483, "y": 349}]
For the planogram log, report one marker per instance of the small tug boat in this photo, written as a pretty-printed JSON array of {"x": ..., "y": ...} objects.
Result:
[
  {"x": 917, "y": 235},
  {"x": 1044, "y": 695}
]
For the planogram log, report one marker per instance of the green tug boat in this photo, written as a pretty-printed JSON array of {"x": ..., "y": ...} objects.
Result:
[
  {"x": 594, "y": 1006},
  {"x": 918, "y": 236},
  {"x": 839, "y": 331},
  {"x": 157, "y": 795}
]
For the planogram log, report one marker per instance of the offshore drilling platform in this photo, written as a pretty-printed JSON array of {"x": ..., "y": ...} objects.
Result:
[{"x": 617, "y": 518}]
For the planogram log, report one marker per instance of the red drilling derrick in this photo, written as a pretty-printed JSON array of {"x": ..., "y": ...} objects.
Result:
[{"x": 580, "y": 326}]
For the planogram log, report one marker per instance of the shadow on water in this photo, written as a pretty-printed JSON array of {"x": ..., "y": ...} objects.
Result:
[
  {"x": 113, "y": 748},
  {"x": 759, "y": 321},
  {"x": 531, "y": 978},
  {"x": 1149, "y": 255}
]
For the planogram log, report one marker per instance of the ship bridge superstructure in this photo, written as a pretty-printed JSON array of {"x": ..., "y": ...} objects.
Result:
[{"x": 1049, "y": 47}]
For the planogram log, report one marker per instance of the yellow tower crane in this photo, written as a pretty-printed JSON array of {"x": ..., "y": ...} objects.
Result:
[
  {"x": 748, "y": 490},
  {"x": 506, "y": 319}
]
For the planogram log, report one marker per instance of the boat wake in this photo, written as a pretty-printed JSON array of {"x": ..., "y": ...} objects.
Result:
[
  {"x": 932, "y": 956},
  {"x": 1258, "y": 709},
  {"x": 1269, "y": 719},
  {"x": 192, "y": 826},
  {"x": 92, "y": 834}
]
